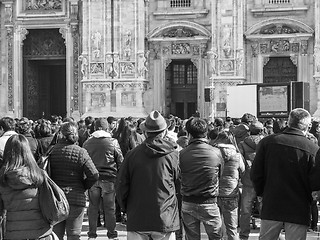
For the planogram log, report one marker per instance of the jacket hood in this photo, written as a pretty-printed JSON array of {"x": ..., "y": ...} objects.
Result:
[
  {"x": 227, "y": 150},
  {"x": 19, "y": 178},
  {"x": 253, "y": 140},
  {"x": 158, "y": 147},
  {"x": 101, "y": 134}
]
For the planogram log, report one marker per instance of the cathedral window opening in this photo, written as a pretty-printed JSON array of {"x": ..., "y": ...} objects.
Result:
[
  {"x": 278, "y": 1},
  {"x": 184, "y": 73},
  {"x": 180, "y": 3}
]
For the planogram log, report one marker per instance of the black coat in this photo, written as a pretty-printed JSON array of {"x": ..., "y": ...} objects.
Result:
[
  {"x": 146, "y": 186},
  {"x": 282, "y": 173}
]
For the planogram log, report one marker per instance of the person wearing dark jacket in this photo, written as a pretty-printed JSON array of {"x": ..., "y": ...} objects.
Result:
[
  {"x": 106, "y": 154},
  {"x": 248, "y": 150},
  {"x": 146, "y": 184},
  {"x": 200, "y": 165},
  {"x": 74, "y": 172},
  {"x": 285, "y": 171}
]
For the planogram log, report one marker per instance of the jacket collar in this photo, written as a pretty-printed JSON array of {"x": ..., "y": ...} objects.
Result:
[
  {"x": 205, "y": 140},
  {"x": 100, "y": 134},
  {"x": 294, "y": 131}
]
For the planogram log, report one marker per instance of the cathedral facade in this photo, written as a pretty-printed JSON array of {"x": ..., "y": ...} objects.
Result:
[{"x": 128, "y": 57}]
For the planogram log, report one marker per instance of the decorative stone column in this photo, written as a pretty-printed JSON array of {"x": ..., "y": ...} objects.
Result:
[
  {"x": 316, "y": 56},
  {"x": 8, "y": 23}
]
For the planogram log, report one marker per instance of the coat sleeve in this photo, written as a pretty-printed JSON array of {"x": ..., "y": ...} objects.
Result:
[
  {"x": 90, "y": 170},
  {"x": 123, "y": 184},
  {"x": 118, "y": 157},
  {"x": 257, "y": 170},
  {"x": 314, "y": 176}
]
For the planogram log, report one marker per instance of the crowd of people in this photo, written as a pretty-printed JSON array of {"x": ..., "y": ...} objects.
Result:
[{"x": 163, "y": 176}]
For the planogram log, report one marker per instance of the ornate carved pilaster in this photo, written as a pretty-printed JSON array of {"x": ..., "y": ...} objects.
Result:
[
  {"x": 317, "y": 112},
  {"x": 9, "y": 38},
  {"x": 75, "y": 38}
]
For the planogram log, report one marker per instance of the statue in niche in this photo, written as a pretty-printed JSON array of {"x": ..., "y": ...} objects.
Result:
[
  {"x": 142, "y": 65},
  {"x": 116, "y": 60},
  {"x": 127, "y": 47},
  {"x": 213, "y": 56},
  {"x": 96, "y": 38},
  {"x": 109, "y": 65},
  {"x": 84, "y": 66},
  {"x": 226, "y": 41},
  {"x": 44, "y": 4}
]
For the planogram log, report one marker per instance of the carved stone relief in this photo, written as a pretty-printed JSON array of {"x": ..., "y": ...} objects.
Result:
[
  {"x": 130, "y": 86},
  {"x": 96, "y": 68},
  {"x": 304, "y": 47},
  {"x": 128, "y": 99},
  {"x": 180, "y": 48},
  {"x": 179, "y": 32},
  {"x": 43, "y": 5},
  {"x": 226, "y": 65},
  {"x": 127, "y": 69},
  {"x": 278, "y": 29},
  {"x": 213, "y": 57},
  {"x": 255, "y": 49},
  {"x": 98, "y": 99}
]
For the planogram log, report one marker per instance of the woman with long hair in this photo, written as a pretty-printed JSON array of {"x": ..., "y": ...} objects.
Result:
[
  {"x": 233, "y": 167},
  {"x": 129, "y": 138},
  {"x": 20, "y": 178},
  {"x": 74, "y": 172}
]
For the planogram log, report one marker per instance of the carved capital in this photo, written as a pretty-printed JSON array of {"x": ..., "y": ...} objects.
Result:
[{"x": 23, "y": 32}]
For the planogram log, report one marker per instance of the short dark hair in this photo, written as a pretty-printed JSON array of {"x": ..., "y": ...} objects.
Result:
[
  {"x": 111, "y": 119},
  {"x": 7, "y": 124},
  {"x": 197, "y": 127},
  {"x": 88, "y": 121}
]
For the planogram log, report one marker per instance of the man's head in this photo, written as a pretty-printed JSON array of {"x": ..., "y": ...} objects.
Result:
[
  {"x": 112, "y": 123},
  {"x": 101, "y": 124},
  {"x": 247, "y": 118},
  {"x": 7, "y": 124},
  {"x": 197, "y": 127},
  {"x": 154, "y": 124},
  {"x": 299, "y": 118},
  {"x": 255, "y": 127}
]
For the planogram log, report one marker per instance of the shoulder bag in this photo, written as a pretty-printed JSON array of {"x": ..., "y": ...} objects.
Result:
[{"x": 53, "y": 202}]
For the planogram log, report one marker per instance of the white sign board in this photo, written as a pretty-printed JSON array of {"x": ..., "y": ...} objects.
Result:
[{"x": 241, "y": 99}]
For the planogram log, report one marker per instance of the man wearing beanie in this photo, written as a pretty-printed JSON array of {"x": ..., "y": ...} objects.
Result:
[
  {"x": 106, "y": 154},
  {"x": 247, "y": 148},
  {"x": 146, "y": 184}
]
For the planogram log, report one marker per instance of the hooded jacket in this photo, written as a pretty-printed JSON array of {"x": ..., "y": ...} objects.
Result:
[
  {"x": 248, "y": 150},
  {"x": 233, "y": 168},
  {"x": 146, "y": 186},
  {"x": 105, "y": 153},
  {"x": 20, "y": 199}
]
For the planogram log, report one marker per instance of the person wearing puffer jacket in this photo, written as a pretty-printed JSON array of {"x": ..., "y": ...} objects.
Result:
[
  {"x": 248, "y": 150},
  {"x": 20, "y": 178},
  {"x": 232, "y": 170}
]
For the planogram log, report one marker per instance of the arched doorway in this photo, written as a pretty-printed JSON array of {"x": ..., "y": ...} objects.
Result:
[
  {"x": 279, "y": 70},
  {"x": 44, "y": 74},
  {"x": 181, "y": 81}
]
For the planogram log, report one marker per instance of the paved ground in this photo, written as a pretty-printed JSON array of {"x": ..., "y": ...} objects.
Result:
[{"x": 121, "y": 228}]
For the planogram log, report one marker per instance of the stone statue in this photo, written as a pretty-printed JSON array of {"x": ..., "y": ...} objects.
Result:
[
  {"x": 96, "y": 38},
  {"x": 84, "y": 66}
]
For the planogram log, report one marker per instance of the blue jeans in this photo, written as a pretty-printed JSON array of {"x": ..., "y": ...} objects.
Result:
[
  {"x": 72, "y": 225},
  {"x": 229, "y": 212},
  {"x": 105, "y": 190},
  {"x": 193, "y": 214},
  {"x": 247, "y": 198},
  {"x": 154, "y": 235},
  {"x": 270, "y": 230}
]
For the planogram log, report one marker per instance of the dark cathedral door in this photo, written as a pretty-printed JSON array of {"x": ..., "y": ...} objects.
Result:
[
  {"x": 279, "y": 70},
  {"x": 44, "y": 75},
  {"x": 182, "y": 80}
]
